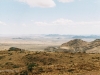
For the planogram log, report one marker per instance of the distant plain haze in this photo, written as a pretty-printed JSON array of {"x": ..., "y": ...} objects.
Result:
[{"x": 77, "y": 17}]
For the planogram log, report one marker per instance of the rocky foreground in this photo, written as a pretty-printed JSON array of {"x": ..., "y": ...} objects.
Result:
[{"x": 48, "y": 63}]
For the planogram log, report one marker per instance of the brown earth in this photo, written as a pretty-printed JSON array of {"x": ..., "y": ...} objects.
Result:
[{"x": 48, "y": 63}]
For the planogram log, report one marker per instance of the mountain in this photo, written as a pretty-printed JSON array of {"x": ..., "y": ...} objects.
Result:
[
  {"x": 88, "y": 37},
  {"x": 76, "y": 45},
  {"x": 94, "y": 47}
]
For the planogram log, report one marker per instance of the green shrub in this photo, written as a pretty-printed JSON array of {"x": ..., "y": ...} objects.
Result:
[{"x": 31, "y": 66}]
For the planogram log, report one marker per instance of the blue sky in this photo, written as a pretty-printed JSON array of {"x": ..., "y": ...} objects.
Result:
[{"x": 81, "y": 17}]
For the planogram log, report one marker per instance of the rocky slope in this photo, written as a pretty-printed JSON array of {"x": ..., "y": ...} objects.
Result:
[
  {"x": 94, "y": 47},
  {"x": 77, "y": 45}
]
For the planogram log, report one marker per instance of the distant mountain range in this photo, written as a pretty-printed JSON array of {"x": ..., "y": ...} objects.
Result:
[
  {"x": 58, "y": 36},
  {"x": 74, "y": 36},
  {"x": 90, "y": 36}
]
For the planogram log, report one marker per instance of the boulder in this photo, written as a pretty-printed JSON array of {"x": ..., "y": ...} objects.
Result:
[{"x": 15, "y": 49}]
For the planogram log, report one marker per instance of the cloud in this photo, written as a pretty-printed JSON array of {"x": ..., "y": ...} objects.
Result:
[
  {"x": 39, "y": 3},
  {"x": 66, "y": 1},
  {"x": 62, "y": 21},
  {"x": 67, "y": 22},
  {"x": 2, "y": 23},
  {"x": 66, "y": 26}
]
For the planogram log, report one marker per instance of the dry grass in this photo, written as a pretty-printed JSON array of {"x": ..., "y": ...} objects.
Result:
[{"x": 45, "y": 63}]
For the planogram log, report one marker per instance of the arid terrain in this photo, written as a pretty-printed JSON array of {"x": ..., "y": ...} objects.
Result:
[
  {"x": 35, "y": 42},
  {"x": 49, "y": 56},
  {"x": 48, "y": 63},
  {"x": 49, "y": 37}
]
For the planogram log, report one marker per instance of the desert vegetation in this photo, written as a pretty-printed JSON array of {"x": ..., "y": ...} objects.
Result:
[{"x": 48, "y": 63}]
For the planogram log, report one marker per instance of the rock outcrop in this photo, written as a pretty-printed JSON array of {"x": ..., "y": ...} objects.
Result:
[
  {"x": 15, "y": 49},
  {"x": 76, "y": 45}
]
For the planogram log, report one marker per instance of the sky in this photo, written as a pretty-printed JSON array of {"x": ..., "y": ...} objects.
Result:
[{"x": 70, "y": 17}]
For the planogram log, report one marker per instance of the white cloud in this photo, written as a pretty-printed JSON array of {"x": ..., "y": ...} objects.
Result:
[
  {"x": 2, "y": 23},
  {"x": 66, "y": 26},
  {"x": 63, "y": 21},
  {"x": 39, "y": 3},
  {"x": 66, "y": 1},
  {"x": 60, "y": 21}
]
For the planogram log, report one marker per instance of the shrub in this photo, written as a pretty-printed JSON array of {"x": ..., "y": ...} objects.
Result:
[{"x": 31, "y": 66}]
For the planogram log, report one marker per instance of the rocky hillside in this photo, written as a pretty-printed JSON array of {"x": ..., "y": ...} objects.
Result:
[
  {"x": 78, "y": 45},
  {"x": 94, "y": 47}
]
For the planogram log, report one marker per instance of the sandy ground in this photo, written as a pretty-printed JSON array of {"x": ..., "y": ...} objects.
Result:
[{"x": 32, "y": 44}]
